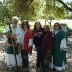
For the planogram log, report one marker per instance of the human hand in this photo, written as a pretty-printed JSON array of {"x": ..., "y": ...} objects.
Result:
[
  {"x": 22, "y": 47},
  {"x": 62, "y": 49},
  {"x": 13, "y": 36}
]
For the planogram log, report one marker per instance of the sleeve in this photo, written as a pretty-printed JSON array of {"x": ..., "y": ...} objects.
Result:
[
  {"x": 30, "y": 42},
  {"x": 19, "y": 36},
  {"x": 30, "y": 38},
  {"x": 63, "y": 44},
  {"x": 6, "y": 30},
  {"x": 63, "y": 41}
]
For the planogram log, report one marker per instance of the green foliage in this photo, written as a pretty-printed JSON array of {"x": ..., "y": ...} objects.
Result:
[
  {"x": 23, "y": 8},
  {"x": 53, "y": 10},
  {"x": 4, "y": 12},
  {"x": 32, "y": 9},
  {"x": 68, "y": 16},
  {"x": 3, "y": 25}
]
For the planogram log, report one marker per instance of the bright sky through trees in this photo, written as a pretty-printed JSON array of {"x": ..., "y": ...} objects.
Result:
[
  {"x": 64, "y": 0},
  {"x": 67, "y": 0}
]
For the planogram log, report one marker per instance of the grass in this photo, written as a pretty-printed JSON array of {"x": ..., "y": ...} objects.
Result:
[{"x": 2, "y": 28}]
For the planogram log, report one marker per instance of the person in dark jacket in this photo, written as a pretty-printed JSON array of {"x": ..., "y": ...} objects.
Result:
[
  {"x": 47, "y": 47},
  {"x": 38, "y": 34}
]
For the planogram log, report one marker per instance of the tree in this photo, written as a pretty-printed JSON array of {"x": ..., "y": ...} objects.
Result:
[
  {"x": 65, "y": 6},
  {"x": 33, "y": 9},
  {"x": 4, "y": 12},
  {"x": 53, "y": 10},
  {"x": 26, "y": 9}
]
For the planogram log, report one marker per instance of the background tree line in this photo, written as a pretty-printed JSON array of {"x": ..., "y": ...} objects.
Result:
[{"x": 35, "y": 9}]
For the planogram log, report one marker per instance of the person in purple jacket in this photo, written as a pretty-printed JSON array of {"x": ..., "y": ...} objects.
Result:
[{"x": 47, "y": 48}]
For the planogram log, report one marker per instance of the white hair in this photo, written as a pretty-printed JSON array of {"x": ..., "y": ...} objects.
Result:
[
  {"x": 15, "y": 17},
  {"x": 37, "y": 21}
]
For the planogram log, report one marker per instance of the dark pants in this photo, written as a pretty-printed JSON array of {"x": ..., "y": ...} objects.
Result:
[
  {"x": 58, "y": 71},
  {"x": 25, "y": 60},
  {"x": 38, "y": 49}
]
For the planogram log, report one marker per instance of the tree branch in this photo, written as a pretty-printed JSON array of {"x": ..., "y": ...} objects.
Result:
[{"x": 65, "y": 6}]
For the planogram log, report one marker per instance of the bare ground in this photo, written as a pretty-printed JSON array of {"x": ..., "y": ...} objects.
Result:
[{"x": 32, "y": 58}]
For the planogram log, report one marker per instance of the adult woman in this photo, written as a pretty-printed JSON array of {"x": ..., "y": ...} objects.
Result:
[
  {"x": 47, "y": 47},
  {"x": 38, "y": 35},
  {"x": 27, "y": 42},
  {"x": 59, "y": 59}
]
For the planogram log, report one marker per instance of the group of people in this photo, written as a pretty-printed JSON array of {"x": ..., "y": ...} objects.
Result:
[{"x": 50, "y": 45}]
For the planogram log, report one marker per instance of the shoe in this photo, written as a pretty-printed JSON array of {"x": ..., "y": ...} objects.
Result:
[
  {"x": 9, "y": 69},
  {"x": 54, "y": 69}
]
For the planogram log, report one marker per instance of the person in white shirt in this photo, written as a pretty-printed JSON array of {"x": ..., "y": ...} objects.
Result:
[{"x": 14, "y": 40}]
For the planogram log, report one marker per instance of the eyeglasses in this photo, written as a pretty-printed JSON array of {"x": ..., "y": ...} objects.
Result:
[{"x": 56, "y": 25}]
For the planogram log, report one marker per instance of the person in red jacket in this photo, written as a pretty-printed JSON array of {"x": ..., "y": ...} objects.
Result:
[{"x": 27, "y": 43}]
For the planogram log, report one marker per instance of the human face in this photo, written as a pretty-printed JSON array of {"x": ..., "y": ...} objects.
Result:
[
  {"x": 56, "y": 26},
  {"x": 45, "y": 29},
  {"x": 38, "y": 25},
  {"x": 25, "y": 25},
  {"x": 14, "y": 21}
]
